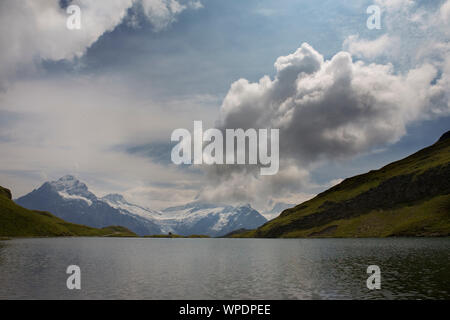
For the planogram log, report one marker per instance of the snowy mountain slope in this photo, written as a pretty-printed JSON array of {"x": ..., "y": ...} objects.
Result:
[
  {"x": 210, "y": 219},
  {"x": 70, "y": 199},
  {"x": 117, "y": 201}
]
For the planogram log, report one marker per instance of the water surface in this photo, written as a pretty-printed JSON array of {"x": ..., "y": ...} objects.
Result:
[{"x": 130, "y": 268}]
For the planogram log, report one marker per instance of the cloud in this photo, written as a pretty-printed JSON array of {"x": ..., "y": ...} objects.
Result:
[
  {"x": 162, "y": 13},
  {"x": 163, "y": 196},
  {"x": 247, "y": 186},
  {"x": 370, "y": 48},
  {"x": 412, "y": 33},
  {"x": 33, "y": 31},
  {"x": 445, "y": 12},
  {"x": 82, "y": 126},
  {"x": 331, "y": 108},
  {"x": 395, "y": 5},
  {"x": 326, "y": 110}
]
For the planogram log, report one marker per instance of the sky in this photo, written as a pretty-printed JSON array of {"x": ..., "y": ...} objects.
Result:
[{"x": 101, "y": 102}]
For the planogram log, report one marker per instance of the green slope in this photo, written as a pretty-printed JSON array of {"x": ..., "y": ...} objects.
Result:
[
  {"x": 16, "y": 221},
  {"x": 409, "y": 197}
]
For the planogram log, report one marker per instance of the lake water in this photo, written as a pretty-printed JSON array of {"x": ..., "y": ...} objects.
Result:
[{"x": 127, "y": 268}]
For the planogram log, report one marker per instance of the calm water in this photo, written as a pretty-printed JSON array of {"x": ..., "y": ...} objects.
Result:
[{"x": 224, "y": 268}]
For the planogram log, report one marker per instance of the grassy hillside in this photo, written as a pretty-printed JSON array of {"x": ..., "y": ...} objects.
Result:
[
  {"x": 409, "y": 197},
  {"x": 16, "y": 221}
]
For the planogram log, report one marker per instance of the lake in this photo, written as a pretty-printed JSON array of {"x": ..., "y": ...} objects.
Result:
[{"x": 134, "y": 268}]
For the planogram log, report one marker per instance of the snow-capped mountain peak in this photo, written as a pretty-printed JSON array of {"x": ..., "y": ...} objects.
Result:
[
  {"x": 71, "y": 200},
  {"x": 71, "y": 185},
  {"x": 70, "y": 188}
]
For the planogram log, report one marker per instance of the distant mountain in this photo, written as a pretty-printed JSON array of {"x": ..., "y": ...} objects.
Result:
[
  {"x": 193, "y": 218},
  {"x": 16, "y": 221},
  {"x": 209, "y": 219},
  {"x": 409, "y": 197},
  {"x": 70, "y": 199},
  {"x": 118, "y": 202}
]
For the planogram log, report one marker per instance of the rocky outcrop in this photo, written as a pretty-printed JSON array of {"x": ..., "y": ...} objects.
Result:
[{"x": 5, "y": 192}]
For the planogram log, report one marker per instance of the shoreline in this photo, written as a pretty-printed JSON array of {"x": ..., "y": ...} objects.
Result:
[{"x": 5, "y": 238}]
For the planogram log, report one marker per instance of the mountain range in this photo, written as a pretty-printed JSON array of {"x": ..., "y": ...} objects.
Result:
[
  {"x": 70, "y": 199},
  {"x": 16, "y": 221},
  {"x": 409, "y": 197}
]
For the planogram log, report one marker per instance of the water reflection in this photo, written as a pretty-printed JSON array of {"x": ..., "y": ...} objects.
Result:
[{"x": 225, "y": 268}]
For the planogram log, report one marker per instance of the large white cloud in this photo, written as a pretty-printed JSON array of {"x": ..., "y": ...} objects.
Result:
[
  {"x": 326, "y": 109},
  {"x": 333, "y": 108}
]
